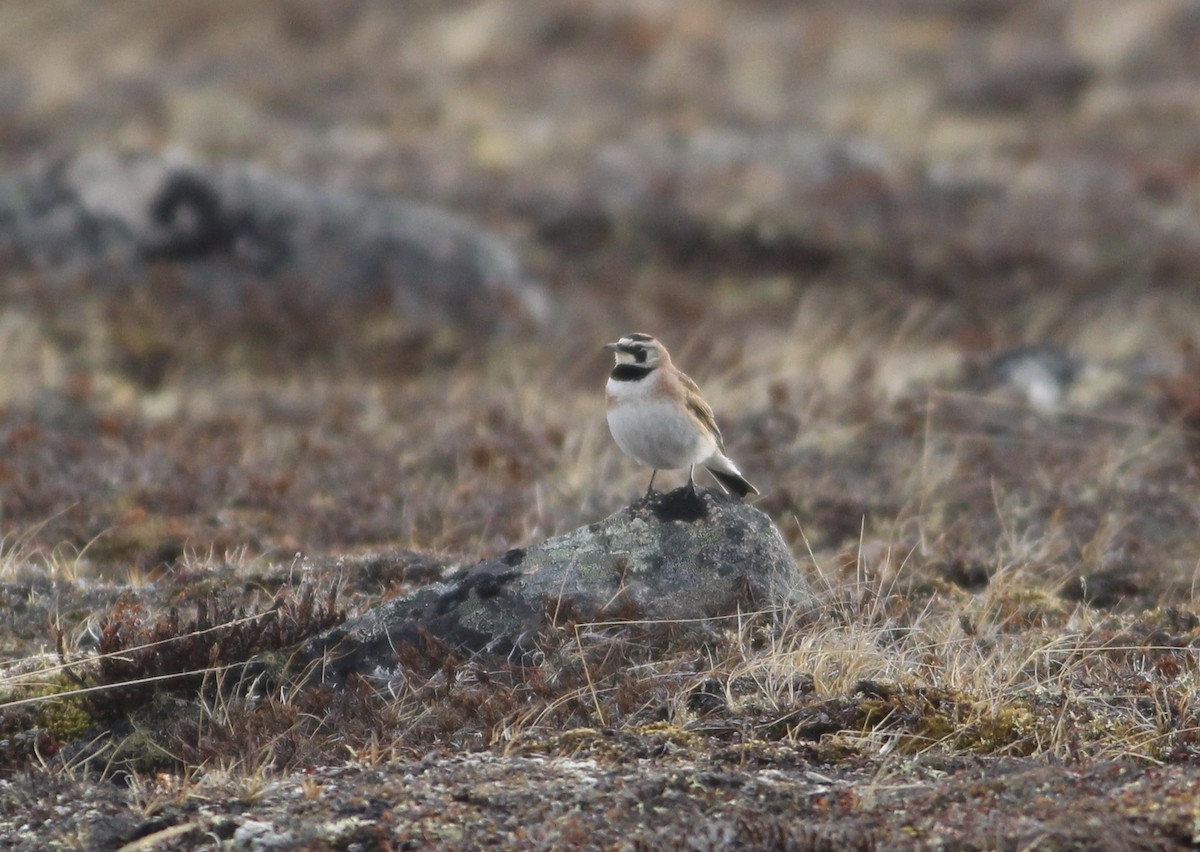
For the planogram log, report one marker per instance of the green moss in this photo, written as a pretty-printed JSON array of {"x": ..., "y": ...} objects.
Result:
[
  {"x": 65, "y": 718},
  {"x": 927, "y": 718},
  {"x": 1012, "y": 730},
  {"x": 48, "y": 705}
]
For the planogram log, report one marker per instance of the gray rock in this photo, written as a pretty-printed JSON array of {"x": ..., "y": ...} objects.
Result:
[
  {"x": 255, "y": 835},
  {"x": 676, "y": 556},
  {"x": 1042, "y": 373},
  {"x": 233, "y": 233}
]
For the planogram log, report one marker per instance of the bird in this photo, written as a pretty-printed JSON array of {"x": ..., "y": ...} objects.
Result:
[{"x": 658, "y": 416}]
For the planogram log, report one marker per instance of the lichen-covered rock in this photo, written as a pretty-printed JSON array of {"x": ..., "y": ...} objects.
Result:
[
  {"x": 676, "y": 556},
  {"x": 232, "y": 234}
]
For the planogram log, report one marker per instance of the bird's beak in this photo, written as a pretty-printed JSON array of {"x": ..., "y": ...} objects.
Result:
[{"x": 611, "y": 347}]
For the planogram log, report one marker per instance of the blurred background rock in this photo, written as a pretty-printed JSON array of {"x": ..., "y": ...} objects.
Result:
[{"x": 973, "y": 150}]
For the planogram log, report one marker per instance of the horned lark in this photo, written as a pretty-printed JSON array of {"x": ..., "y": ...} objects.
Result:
[{"x": 658, "y": 417}]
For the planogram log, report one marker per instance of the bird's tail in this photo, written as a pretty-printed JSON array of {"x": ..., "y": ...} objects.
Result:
[{"x": 728, "y": 476}]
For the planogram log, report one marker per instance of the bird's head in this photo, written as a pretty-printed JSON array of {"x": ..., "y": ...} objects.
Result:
[{"x": 639, "y": 349}]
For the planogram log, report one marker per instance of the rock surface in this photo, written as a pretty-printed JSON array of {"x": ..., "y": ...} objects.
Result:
[
  {"x": 676, "y": 556},
  {"x": 232, "y": 233}
]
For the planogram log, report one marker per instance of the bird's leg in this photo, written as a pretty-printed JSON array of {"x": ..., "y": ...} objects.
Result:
[
  {"x": 692, "y": 481},
  {"x": 650, "y": 487}
]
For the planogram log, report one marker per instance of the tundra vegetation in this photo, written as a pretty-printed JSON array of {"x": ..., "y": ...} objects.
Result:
[{"x": 934, "y": 272}]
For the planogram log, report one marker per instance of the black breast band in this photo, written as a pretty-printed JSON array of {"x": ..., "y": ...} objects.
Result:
[{"x": 631, "y": 372}]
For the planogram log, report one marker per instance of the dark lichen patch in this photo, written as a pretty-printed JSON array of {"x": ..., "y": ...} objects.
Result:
[
  {"x": 735, "y": 534},
  {"x": 483, "y": 581},
  {"x": 514, "y": 557},
  {"x": 681, "y": 505}
]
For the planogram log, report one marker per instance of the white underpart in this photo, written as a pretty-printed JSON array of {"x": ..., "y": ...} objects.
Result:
[
  {"x": 658, "y": 434},
  {"x": 656, "y": 431}
]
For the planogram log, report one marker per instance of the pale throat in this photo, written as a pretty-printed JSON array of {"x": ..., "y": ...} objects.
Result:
[{"x": 646, "y": 387}]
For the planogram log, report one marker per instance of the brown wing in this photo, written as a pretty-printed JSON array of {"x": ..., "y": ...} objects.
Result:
[{"x": 697, "y": 406}]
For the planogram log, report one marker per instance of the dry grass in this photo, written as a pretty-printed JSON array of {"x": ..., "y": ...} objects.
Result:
[
  {"x": 955, "y": 533},
  {"x": 1000, "y": 581}
]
